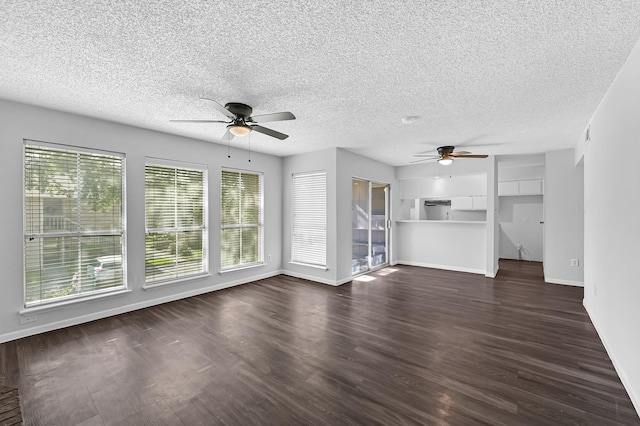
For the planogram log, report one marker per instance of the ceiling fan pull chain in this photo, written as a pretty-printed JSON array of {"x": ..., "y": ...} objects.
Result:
[
  {"x": 249, "y": 136},
  {"x": 228, "y": 145}
]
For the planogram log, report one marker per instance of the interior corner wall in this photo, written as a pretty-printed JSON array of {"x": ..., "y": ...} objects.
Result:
[
  {"x": 324, "y": 160},
  {"x": 20, "y": 121},
  {"x": 493, "y": 228},
  {"x": 350, "y": 165},
  {"x": 563, "y": 218},
  {"x": 611, "y": 225}
]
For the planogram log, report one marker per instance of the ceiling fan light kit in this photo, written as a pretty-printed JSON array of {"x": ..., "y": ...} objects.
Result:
[
  {"x": 445, "y": 160},
  {"x": 239, "y": 129}
]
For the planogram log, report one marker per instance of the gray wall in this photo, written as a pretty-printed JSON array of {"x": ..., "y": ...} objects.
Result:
[
  {"x": 612, "y": 229},
  {"x": 324, "y": 160},
  {"x": 341, "y": 166},
  {"x": 563, "y": 218},
  {"x": 350, "y": 165},
  {"x": 18, "y": 121}
]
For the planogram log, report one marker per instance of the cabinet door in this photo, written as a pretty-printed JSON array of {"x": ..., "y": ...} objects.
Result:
[
  {"x": 530, "y": 187},
  {"x": 480, "y": 203},
  {"x": 508, "y": 188},
  {"x": 462, "y": 203}
]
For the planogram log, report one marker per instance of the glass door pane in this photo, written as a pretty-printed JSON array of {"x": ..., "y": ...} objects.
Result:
[
  {"x": 379, "y": 216},
  {"x": 360, "y": 226}
]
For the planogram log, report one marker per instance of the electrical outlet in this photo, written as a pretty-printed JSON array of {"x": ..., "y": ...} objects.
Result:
[
  {"x": 26, "y": 319},
  {"x": 575, "y": 262},
  {"x": 268, "y": 258}
]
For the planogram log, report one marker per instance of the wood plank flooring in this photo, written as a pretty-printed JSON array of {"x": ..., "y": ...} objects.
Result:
[
  {"x": 402, "y": 346},
  {"x": 10, "y": 413}
]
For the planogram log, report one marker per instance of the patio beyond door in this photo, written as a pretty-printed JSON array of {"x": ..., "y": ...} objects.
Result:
[{"x": 370, "y": 214}]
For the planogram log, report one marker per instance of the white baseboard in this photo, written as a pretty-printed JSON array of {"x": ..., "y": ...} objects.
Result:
[
  {"x": 564, "y": 282},
  {"x": 495, "y": 272},
  {"x": 445, "y": 267},
  {"x": 633, "y": 396},
  {"x": 344, "y": 281},
  {"x": 315, "y": 279},
  {"x": 18, "y": 334}
]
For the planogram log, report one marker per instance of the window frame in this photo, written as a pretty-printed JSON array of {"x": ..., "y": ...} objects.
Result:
[
  {"x": 122, "y": 233},
  {"x": 260, "y": 224},
  {"x": 180, "y": 165},
  {"x": 299, "y": 261}
]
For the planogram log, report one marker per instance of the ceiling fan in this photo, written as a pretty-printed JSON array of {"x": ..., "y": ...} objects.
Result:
[
  {"x": 241, "y": 122},
  {"x": 446, "y": 154}
]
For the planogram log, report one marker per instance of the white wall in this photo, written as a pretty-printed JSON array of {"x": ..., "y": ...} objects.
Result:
[
  {"x": 563, "y": 218},
  {"x": 611, "y": 225},
  {"x": 455, "y": 246},
  {"x": 443, "y": 245},
  {"x": 493, "y": 228},
  {"x": 350, "y": 165},
  {"x": 324, "y": 160},
  {"x": 506, "y": 173},
  {"x": 445, "y": 187},
  {"x": 18, "y": 121},
  {"x": 341, "y": 166},
  {"x": 519, "y": 218}
]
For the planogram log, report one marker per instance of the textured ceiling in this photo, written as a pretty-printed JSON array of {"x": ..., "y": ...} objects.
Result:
[{"x": 499, "y": 77}]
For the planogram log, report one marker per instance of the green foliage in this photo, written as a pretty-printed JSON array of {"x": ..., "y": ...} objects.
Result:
[
  {"x": 65, "y": 291},
  {"x": 56, "y": 172},
  {"x": 161, "y": 261}
]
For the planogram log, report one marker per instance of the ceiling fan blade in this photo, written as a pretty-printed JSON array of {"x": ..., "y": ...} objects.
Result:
[
  {"x": 460, "y": 153},
  {"x": 427, "y": 155},
  {"x": 198, "y": 121},
  {"x": 219, "y": 107},
  {"x": 468, "y": 156},
  {"x": 422, "y": 159},
  {"x": 276, "y": 116},
  {"x": 269, "y": 132}
]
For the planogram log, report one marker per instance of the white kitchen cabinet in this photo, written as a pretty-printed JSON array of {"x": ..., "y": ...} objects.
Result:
[
  {"x": 520, "y": 187},
  {"x": 469, "y": 203},
  {"x": 480, "y": 202},
  {"x": 508, "y": 188},
  {"x": 461, "y": 203},
  {"x": 530, "y": 187}
]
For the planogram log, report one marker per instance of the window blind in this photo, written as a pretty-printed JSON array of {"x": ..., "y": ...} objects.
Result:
[
  {"x": 309, "y": 199},
  {"x": 241, "y": 219},
  {"x": 175, "y": 222},
  {"x": 73, "y": 222}
]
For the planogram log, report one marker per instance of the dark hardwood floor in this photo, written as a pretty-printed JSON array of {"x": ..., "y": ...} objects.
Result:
[{"x": 409, "y": 346}]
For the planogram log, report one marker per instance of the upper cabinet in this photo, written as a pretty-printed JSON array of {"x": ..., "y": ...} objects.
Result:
[
  {"x": 469, "y": 203},
  {"x": 521, "y": 187}
]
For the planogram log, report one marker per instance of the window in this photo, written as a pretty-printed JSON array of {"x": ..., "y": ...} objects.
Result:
[
  {"x": 175, "y": 220},
  {"x": 310, "y": 218},
  {"x": 73, "y": 222},
  {"x": 241, "y": 219}
]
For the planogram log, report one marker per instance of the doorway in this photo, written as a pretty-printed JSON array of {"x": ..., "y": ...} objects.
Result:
[
  {"x": 370, "y": 225},
  {"x": 521, "y": 221}
]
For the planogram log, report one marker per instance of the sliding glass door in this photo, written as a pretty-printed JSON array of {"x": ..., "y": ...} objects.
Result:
[{"x": 370, "y": 218}]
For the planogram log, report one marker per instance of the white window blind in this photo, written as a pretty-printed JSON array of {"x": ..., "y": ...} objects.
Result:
[
  {"x": 73, "y": 222},
  {"x": 241, "y": 219},
  {"x": 310, "y": 218},
  {"x": 175, "y": 221}
]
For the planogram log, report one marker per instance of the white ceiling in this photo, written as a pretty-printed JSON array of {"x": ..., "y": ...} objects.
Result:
[{"x": 497, "y": 77}]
